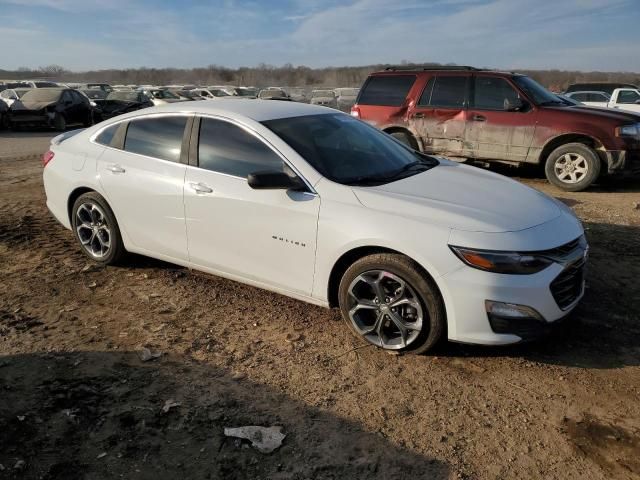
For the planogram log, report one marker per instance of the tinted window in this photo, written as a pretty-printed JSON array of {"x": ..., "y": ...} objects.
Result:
[
  {"x": 156, "y": 137},
  {"x": 444, "y": 91},
  {"x": 628, "y": 96},
  {"x": 347, "y": 150},
  {"x": 105, "y": 137},
  {"x": 493, "y": 93},
  {"x": 388, "y": 91},
  {"x": 227, "y": 148}
]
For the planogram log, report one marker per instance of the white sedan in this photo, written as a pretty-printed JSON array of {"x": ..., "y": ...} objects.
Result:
[{"x": 317, "y": 205}]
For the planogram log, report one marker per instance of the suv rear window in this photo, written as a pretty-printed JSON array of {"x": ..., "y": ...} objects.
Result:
[
  {"x": 386, "y": 91},
  {"x": 447, "y": 92}
]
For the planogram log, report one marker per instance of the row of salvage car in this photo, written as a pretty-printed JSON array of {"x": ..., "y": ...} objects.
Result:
[{"x": 48, "y": 104}]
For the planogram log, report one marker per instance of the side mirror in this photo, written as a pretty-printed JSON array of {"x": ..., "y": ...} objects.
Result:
[{"x": 274, "y": 180}]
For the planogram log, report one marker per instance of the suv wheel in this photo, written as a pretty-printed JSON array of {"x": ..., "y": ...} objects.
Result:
[
  {"x": 386, "y": 300},
  {"x": 572, "y": 167},
  {"x": 406, "y": 138},
  {"x": 96, "y": 229}
]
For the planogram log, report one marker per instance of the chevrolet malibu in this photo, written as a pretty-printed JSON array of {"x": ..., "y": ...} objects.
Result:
[{"x": 317, "y": 205}]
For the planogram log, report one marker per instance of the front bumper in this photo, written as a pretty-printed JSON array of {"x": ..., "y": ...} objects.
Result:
[
  {"x": 30, "y": 119},
  {"x": 621, "y": 162},
  {"x": 527, "y": 329}
]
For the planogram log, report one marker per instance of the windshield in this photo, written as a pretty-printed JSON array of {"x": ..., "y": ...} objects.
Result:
[
  {"x": 271, "y": 93},
  {"x": 536, "y": 92},
  {"x": 163, "y": 94},
  {"x": 46, "y": 85},
  {"x": 347, "y": 150},
  {"x": 42, "y": 95},
  {"x": 246, "y": 92},
  {"x": 219, "y": 93},
  {"x": 123, "y": 95},
  {"x": 95, "y": 93}
]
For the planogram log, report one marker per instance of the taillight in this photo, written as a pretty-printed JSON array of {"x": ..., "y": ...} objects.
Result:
[
  {"x": 355, "y": 112},
  {"x": 47, "y": 157}
]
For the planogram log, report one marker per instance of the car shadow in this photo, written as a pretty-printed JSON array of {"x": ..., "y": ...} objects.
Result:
[
  {"x": 604, "y": 329},
  {"x": 110, "y": 415}
]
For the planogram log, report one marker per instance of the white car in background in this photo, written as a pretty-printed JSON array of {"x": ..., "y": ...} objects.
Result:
[
  {"x": 591, "y": 98},
  {"x": 317, "y": 205},
  {"x": 625, "y": 99},
  {"x": 12, "y": 95}
]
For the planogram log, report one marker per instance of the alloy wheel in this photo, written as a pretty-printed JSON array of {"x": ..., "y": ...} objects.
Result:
[
  {"x": 571, "y": 168},
  {"x": 385, "y": 309},
  {"x": 93, "y": 230}
]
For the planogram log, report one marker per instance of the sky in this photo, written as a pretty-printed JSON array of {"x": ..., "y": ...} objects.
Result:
[{"x": 508, "y": 34}]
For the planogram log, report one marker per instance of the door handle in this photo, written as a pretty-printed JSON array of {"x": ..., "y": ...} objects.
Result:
[
  {"x": 479, "y": 118},
  {"x": 116, "y": 169},
  {"x": 419, "y": 115},
  {"x": 200, "y": 187}
]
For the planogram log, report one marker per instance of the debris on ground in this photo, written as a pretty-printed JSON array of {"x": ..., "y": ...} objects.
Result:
[
  {"x": 102, "y": 455},
  {"x": 264, "y": 439},
  {"x": 145, "y": 354},
  {"x": 169, "y": 404}
]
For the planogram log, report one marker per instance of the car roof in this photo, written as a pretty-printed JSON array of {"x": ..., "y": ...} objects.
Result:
[
  {"x": 588, "y": 91},
  {"x": 258, "y": 110}
]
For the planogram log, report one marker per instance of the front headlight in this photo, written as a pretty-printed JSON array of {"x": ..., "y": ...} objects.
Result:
[
  {"x": 512, "y": 263},
  {"x": 628, "y": 130}
]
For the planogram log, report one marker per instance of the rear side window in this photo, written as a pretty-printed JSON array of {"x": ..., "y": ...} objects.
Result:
[
  {"x": 227, "y": 148},
  {"x": 493, "y": 93},
  {"x": 106, "y": 136},
  {"x": 446, "y": 92},
  {"x": 156, "y": 137},
  {"x": 388, "y": 91}
]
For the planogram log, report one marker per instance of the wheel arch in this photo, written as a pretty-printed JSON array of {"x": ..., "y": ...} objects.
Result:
[
  {"x": 354, "y": 254},
  {"x": 563, "y": 139},
  {"x": 75, "y": 194},
  {"x": 400, "y": 129}
]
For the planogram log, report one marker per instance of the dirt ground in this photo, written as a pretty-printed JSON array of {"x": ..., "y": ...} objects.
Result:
[{"x": 77, "y": 401}]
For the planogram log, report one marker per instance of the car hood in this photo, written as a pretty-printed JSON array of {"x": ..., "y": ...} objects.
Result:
[
  {"x": 599, "y": 112},
  {"x": 463, "y": 198}
]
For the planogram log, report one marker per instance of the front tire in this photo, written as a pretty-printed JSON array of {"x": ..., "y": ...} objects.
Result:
[
  {"x": 572, "y": 167},
  {"x": 389, "y": 302},
  {"x": 96, "y": 229}
]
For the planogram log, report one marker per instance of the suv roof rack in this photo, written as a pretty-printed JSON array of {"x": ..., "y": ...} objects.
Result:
[{"x": 430, "y": 67}]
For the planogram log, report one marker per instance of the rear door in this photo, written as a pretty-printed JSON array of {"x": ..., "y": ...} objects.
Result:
[
  {"x": 267, "y": 236},
  {"x": 440, "y": 116},
  {"x": 496, "y": 131},
  {"x": 143, "y": 178}
]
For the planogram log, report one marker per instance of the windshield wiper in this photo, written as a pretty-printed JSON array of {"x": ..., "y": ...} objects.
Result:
[{"x": 418, "y": 165}]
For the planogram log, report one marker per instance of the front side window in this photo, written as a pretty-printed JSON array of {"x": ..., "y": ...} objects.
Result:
[
  {"x": 628, "y": 96},
  {"x": 349, "y": 151},
  {"x": 445, "y": 91},
  {"x": 388, "y": 91},
  {"x": 229, "y": 149},
  {"x": 159, "y": 137},
  {"x": 494, "y": 93}
]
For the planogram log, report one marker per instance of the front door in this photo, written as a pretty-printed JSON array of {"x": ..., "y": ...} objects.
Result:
[
  {"x": 439, "y": 117},
  {"x": 501, "y": 124},
  {"x": 267, "y": 236}
]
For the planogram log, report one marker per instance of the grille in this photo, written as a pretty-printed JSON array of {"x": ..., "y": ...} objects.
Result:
[{"x": 567, "y": 286}]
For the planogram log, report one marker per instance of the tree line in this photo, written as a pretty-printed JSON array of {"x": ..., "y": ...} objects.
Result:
[{"x": 286, "y": 75}]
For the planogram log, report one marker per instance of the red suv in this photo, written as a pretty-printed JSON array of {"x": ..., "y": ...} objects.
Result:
[{"x": 466, "y": 113}]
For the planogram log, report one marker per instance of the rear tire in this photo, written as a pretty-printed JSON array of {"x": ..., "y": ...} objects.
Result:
[
  {"x": 96, "y": 229},
  {"x": 405, "y": 138},
  {"x": 573, "y": 167},
  {"x": 383, "y": 294}
]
